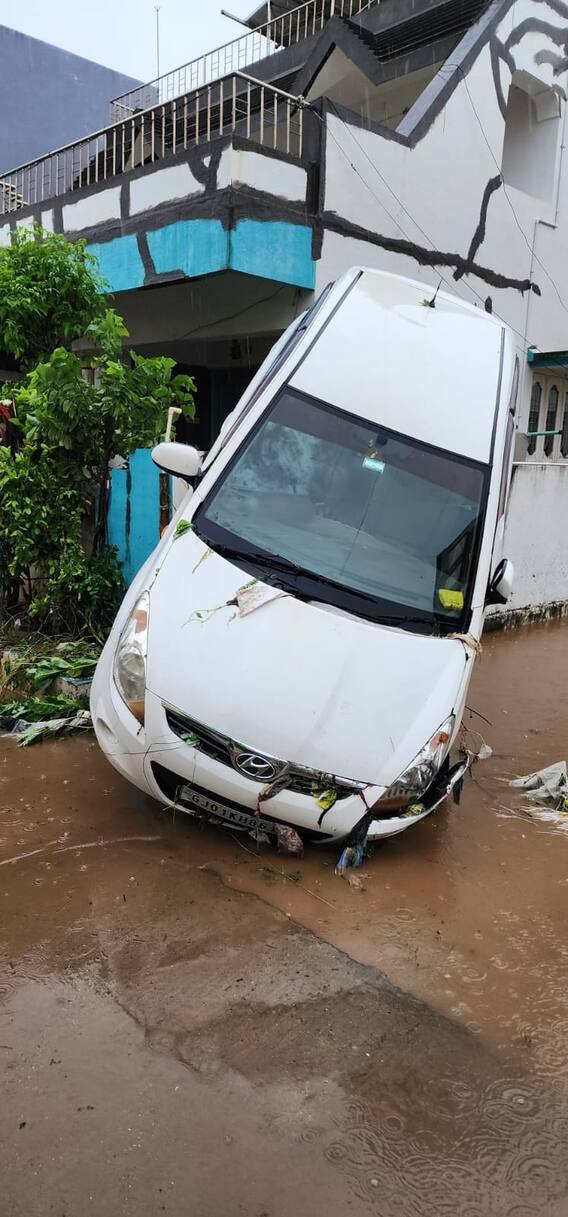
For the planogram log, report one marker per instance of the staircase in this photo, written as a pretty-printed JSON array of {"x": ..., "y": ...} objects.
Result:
[{"x": 442, "y": 20}]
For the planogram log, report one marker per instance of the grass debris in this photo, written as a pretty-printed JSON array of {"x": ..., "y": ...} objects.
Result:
[{"x": 29, "y": 707}]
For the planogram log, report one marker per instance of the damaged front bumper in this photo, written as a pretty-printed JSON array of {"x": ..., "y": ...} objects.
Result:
[
  {"x": 448, "y": 781},
  {"x": 180, "y": 773}
]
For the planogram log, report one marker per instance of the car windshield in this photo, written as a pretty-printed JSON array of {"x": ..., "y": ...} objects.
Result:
[{"x": 368, "y": 519}]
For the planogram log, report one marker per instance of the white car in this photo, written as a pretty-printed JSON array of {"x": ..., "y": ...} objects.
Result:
[{"x": 293, "y": 651}]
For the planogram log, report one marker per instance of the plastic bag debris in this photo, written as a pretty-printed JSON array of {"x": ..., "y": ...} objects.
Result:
[
  {"x": 546, "y": 792},
  {"x": 255, "y": 595},
  {"x": 248, "y": 599},
  {"x": 549, "y": 786},
  {"x": 457, "y": 791},
  {"x": 289, "y": 842},
  {"x": 484, "y": 752},
  {"x": 326, "y": 799},
  {"x": 352, "y": 857}
]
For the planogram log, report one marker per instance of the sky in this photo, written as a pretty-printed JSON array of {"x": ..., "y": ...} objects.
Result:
[{"x": 121, "y": 34}]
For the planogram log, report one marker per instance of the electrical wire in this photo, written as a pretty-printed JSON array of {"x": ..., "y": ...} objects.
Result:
[
  {"x": 231, "y": 316},
  {"x": 397, "y": 224},
  {"x": 382, "y": 178},
  {"x": 455, "y": 67},
  {"x": 528, "y": 244}
]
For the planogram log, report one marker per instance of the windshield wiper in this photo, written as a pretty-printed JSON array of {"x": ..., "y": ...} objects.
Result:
[
  {"x": 228, "y": 551},
  {"x": 271, "y": 565},
  {"x": 282, "y": 565}
]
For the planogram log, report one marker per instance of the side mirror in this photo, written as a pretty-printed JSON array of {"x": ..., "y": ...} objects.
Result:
[
  {"x": 501, "y": 585},
  {"x": 179, "y": 459}
]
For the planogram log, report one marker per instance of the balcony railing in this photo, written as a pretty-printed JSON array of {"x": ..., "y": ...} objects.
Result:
[
  {"x": 237, "y": 102},
  {"x": 238, "y": 55}
]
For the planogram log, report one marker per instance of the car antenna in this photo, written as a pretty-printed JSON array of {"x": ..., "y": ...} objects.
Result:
[{"x": 432, "y": 303}]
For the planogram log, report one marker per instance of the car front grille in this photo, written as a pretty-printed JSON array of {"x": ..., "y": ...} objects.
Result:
[
  {"x": 228, "y": 752},
  {"x": 174, "y": 788}
]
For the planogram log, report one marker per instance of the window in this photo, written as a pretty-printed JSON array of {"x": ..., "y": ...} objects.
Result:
[
  {"x": 339, "y": 510},
  {"x": 551, "y": 420},
  {"x": 534, "y": 416},
  {"x": 530, "y": 143}
]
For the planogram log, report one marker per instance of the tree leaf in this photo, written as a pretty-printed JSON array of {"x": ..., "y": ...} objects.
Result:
[{"x": 182, "y": 527}]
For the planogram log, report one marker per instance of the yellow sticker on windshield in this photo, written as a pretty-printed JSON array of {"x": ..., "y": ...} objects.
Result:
[{"x": 450, "y": 599}]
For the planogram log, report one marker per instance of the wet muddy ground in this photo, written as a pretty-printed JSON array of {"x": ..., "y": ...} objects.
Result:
[{"x": 192, "y": 1029}]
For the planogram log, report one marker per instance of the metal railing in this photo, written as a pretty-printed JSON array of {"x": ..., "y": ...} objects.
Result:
[
  {"x": 10, "y": 199},
  {"x": 257, "y": 110},
  {"x": 275, "y": 35}
]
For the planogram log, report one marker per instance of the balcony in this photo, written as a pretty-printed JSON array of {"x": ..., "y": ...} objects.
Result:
[
  {"x": 235, "y": 103},
  {"x": 263, "y": 42},
  {"x": 210, "y": 98}
]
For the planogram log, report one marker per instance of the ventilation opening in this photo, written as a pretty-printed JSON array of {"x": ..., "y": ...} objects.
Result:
[{"x": 531, "y": 136}]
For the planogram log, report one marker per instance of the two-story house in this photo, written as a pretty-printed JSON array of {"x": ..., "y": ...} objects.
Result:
[{"x": 425, "y": 137}]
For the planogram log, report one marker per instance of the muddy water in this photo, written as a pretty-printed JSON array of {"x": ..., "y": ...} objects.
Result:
[
  {"x": 169, "y": 1042},
  {"x": 466, "y": 909}
]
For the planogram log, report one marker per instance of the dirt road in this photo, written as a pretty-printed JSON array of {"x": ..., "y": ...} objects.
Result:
[{"x": 186, "y": 1030}]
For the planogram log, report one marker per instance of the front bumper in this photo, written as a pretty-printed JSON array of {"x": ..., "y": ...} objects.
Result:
[{"x": 155, "y": 760}]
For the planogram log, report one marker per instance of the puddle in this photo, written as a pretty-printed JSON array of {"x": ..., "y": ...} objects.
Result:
[{"x": 398, "y": 1049}]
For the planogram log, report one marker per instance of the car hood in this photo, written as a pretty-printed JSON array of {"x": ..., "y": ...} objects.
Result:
[{"x": 302, "y": 682}]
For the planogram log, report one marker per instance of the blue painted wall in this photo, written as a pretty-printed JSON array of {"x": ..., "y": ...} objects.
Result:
[
  {"x": 268, "y": 250},
  {"x": 274, "y": 250},
  {"x": 192, "y": 248},
  {"x": 49, "y": 97},
  {"x": 120, "y": 263},
  {"x": 134, "y": 512}
]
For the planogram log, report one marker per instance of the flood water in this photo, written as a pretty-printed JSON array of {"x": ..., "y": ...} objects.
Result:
[{"x": 189, "y": 1027}]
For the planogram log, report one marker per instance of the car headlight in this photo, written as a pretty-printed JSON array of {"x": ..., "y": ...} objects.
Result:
[
  {"x": 129, "y": 668},
  {"x": 415, "y": 780}
]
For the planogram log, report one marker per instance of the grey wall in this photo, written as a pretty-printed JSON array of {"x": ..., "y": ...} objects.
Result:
[{"x": 49, "y": 97}]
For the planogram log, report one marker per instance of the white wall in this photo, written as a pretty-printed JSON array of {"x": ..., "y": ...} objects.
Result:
[
  {"x": 340, "y": 81},
  {"x": 431, "y": 195},
  {"x": 536, "y": 536}
]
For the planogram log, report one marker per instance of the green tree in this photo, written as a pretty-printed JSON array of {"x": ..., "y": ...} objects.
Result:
[
  {"x": 50, "y": 292},
  {"x": 74, "y": 412}
]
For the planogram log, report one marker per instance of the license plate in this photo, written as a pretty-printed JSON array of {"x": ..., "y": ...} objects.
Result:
[{"x": 220, "y": 811}]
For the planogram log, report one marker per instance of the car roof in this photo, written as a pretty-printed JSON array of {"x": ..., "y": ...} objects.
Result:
[{"x": 417, "y": 361}]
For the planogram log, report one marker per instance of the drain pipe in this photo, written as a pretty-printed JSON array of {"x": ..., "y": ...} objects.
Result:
[{"x": 164, "y": 483}]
